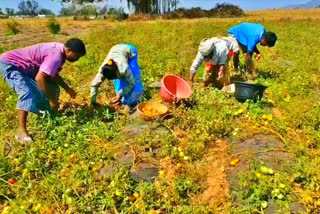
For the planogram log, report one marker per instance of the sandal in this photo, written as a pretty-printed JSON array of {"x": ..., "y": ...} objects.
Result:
[{"x": 21, "y": 139}]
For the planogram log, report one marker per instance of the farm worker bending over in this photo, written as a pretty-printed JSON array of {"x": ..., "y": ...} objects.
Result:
[
  {"x": 246, "y": 36},
  {"x": 33, "y": 73},
  {"x": 121, "y": 66},
  {"x": 215, "y": 52}
]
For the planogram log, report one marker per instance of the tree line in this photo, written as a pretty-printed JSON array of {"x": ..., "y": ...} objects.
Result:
[
  {"x": 27, "y": 8},
  {"x": 88, "y": 8},
  {"x": 137, "y": 6}
]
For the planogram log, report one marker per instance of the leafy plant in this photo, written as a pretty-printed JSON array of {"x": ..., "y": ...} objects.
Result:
[
  {"x": 13, "y": 28},
  {"x": 185, "y": 188},
  {"x": 53, "y": 26}
]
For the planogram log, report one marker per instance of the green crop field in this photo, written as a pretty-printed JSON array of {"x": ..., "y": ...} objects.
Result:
[{"x": 88, "y": 160}]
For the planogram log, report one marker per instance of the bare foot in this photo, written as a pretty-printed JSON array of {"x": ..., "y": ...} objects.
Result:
[{"x": 23, "y": 133}]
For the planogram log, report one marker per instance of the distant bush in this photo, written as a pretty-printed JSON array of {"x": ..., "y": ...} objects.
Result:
[
  {"x": 13, "y": 28},
  {"x": 142, "y": 17},
  {"x": 53, "y": 26},
  {"x": 220, "y": 10},
  {"x": 82, "y": 18},
  {"x": 4, "y": 16},
  {"x": 226, "y": 10},
  {"x": 117, "y": 14},
  {"x": 195, "y": 12}
]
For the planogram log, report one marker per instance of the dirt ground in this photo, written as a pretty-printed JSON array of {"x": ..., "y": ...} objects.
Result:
[
  {"x": 218, "y": 178},
  {"x": 216, "y": 191},
  {"x": 271, "y": 151}
]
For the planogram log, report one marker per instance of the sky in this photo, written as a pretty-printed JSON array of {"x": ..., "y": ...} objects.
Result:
[{"x": 206, "y": 4}]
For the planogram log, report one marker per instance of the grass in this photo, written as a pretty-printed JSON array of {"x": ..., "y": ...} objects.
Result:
[
  {"x": 72, "y": 148},
  {"x": 12, "y": 28}
]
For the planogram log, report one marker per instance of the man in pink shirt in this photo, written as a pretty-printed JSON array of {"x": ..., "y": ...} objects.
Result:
[{"x": 33, "y": 73}]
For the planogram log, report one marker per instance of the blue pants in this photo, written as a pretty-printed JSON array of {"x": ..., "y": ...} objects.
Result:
[
  {"x": 30, "y": 98},
  {"x": 136, "y": 94}
]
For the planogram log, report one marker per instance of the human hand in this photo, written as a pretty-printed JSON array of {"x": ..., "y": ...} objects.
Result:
[
  {"x": 116, "y": 99},
  {"x": 54, "y": 105},
  {"x": 71, "y": 92}
]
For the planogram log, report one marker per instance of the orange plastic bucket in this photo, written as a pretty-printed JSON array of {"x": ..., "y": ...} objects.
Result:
[{"x": 174, "y": 87}]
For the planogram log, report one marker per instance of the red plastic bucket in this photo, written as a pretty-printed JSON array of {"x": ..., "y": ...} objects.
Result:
[{"x": 174, "y": 87}]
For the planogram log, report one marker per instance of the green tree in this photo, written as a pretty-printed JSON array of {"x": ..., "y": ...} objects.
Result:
[
  {"x": 88, "y": 10},
  {"x": 80, "y": 1},
  {"x": 68, "y": 11},
  {"x": 29, "y": 7},
  {"x": 10, "y": 11},
  {"x": 47, "y": 12},
  {"x": 152, "y": 6}
]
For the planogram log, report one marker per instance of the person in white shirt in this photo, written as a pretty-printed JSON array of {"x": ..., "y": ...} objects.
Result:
[{"x": 215, "y": 52}]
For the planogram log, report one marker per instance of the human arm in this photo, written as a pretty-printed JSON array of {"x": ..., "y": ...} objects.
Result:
[
  {"x": 48, "y": 85},
  {"x": 195, "y": 65},
  {"x": 97, "y": 81}
]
